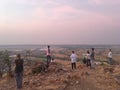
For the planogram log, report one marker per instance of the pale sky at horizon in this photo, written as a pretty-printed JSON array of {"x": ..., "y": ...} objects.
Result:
[{"x": 59, "y": 22}]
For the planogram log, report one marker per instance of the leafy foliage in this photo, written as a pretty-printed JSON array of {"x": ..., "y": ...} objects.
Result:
[{"x": 5, "y": 63}]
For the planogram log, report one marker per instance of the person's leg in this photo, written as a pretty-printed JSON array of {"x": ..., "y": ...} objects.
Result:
[
  {"x": 17, "y": 80},
  {"x": 92, "y": 63},
  {"x": 75, "y": 65},
  {"x": 89, "y": 63},
  {"x": 47, "y": 59},
  {"x": 110, "y": 61},
  {"x": 72, "y": 65},
  {"x": 20, "y": 78}
]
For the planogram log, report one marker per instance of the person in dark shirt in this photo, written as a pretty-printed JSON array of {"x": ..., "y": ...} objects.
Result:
[
  {"x": 48, "y": 53},
  {"x": 19, "y": 71},
  {"x": 92, "y": 56}
]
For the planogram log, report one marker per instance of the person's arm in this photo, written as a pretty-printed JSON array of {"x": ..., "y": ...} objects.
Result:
[
  {"x": 14, "y": 65},
  {"x": 70, "y": 56},
  {"x": 23, "y": 64},
  {"x": 109, "y": 55}
]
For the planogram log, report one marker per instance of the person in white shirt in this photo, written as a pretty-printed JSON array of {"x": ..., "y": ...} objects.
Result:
[
  {"x": 73, "y": 60},
  {"x": 110, "y": 57},
  {"x": 88, "y": 59}
]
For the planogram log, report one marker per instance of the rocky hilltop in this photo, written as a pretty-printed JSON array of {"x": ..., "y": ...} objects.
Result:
[{"x": 59, "y": 76}]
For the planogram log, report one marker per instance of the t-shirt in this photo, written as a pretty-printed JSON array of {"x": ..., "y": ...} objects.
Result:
[
  {"x": 92, "y": 55},
  {"x": 48, "y": 52},
  {"x": 73, "y": 58},
  {"x": 88, "y": 56},
  {"x": 110, "y": 55},
  {"x": 19, "y": 65}
]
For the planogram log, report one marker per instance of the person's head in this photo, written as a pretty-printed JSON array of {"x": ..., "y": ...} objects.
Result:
[
  {"x": 73, "y": 52},
  {"x": 110, "y": 50},
  {"x": 88, "y": 52},
  {"x": 48, "y": 46},
  {"x": 18, "y": 56},
  {"x": 93, "y": 49}
]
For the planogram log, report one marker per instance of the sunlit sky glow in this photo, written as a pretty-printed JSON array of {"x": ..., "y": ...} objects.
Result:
[{"x": 59, "y": 21}]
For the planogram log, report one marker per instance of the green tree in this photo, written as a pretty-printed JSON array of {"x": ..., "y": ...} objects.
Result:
[
  {"x": 7, "y": 62},
  {"x": 2, "y": 64}
]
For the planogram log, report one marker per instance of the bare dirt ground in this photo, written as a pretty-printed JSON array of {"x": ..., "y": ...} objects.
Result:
[{"x": 59, "y": 76}]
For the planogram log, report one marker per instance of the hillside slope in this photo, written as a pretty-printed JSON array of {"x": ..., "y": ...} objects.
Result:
[{"x": 59, "y": 76}]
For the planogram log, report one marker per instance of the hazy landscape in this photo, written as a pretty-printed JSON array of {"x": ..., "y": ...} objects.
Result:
[
  {"x": 59, "y": 75},
  {"x": 28, "y": 26}
]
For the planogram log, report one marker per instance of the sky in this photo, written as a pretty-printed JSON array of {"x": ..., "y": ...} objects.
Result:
[{"x": 59, "y": 22}]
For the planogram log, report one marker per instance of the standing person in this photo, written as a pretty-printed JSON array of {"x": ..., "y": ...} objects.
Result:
[
  {"x": 110, "y": 57},
  {"x": 48, "y": 53},
  {"x": 19, "y": 71},
  {"x": 92, "y": 57},
  {"x": 88, "y": 59},
  {"x": 73, "y": 60},
  {"x": 84, "y": 59}
]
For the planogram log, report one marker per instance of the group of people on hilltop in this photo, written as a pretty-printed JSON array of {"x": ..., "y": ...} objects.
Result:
[{"x": 88, "y": 60}]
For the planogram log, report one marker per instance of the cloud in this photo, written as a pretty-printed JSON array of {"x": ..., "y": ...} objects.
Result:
[
  {"x": 66, "y": 9},
  {"x": 79, "y": 15},
  {"x": 98, "y": 2},
  {"x": 32, "y": 2},
  {"x": 62, "y": 16},
  {"x": 52, "y": 2}
]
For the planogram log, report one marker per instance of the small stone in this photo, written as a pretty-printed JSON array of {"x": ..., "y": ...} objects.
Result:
[{"x": 77, "y": 82}]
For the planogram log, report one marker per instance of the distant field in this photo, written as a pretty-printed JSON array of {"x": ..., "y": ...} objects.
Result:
[{"x": 64, "y": 51}]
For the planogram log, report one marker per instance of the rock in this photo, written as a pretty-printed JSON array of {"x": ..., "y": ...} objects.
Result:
[
  {"x": 77, "y": 82},
  {"x": 28, "y": 72},
  {"x": 107, "y": 70},
  {"x": 80, "y": 66},
  {"x": 51, "y": 87},
  {"x": 86, "y": 73},
  {"x": 26, "y": 82},
  {"x": 117, "y": 79},
  {"x": 97, "y": 63}
]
